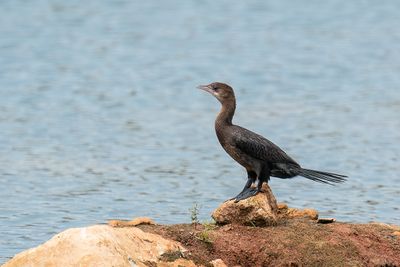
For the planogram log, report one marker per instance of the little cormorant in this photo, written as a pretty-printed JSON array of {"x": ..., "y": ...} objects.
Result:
[{"x": 259, "y": 156}]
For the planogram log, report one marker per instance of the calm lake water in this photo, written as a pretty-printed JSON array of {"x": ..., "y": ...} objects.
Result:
[{"x": 100, "y": 117}]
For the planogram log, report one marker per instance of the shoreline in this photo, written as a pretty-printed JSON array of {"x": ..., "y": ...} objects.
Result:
[{"x": 292, "y": 242}]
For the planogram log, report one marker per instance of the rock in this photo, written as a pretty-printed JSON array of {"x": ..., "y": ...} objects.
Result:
[
  {"x": 282, "y": 206},
  {"x": 295, "y": 242},
  {"x": 177, "y": 263},
  {"x": 102, "y": 245},
  {"x": 218, "y": 263},
  {"x": 326, "y": 220},
  {"x": 134, "y": 222},
  {"x": 260, "y": 210},
  {"x": 304, "y": 213},
  {"x": 291, "y": 213}
]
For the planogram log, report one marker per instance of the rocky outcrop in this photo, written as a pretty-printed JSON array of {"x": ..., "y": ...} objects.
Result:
[
  {"x": 102, "y": 245},
  {"x": 292, "y": 242}
]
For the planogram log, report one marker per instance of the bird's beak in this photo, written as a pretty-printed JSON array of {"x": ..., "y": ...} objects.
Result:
[{"x": 206, "y": 88}]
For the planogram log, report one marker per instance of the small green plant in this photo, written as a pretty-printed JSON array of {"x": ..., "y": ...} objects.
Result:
[
  {"x": 209, "y": 225},
  {"x": 205, "y": 237},
  {"x": 194, "y": 213}
]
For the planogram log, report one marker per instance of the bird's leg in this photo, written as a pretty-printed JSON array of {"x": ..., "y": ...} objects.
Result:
[
  {"x": 251, "y": 178},
  {"x": 263, "y": 177},
  {"x": 245, "y": 188},
  {"x": 260, "y": 184}
]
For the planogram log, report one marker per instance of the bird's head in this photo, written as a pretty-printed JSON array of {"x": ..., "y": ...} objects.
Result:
[{"x": 221, "y": 91}]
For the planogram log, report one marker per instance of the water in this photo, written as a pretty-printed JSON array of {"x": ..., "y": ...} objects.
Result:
[{"x": 100, "y": 118}]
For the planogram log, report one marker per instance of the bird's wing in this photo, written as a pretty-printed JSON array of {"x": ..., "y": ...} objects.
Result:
[{"x": 259, "y": 147}]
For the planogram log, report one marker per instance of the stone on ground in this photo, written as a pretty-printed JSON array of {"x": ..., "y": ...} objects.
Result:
[
  {"x": 290, "y": 213},
  {"x": 102, "y": 245},
  {"x": 259, "y": 210}
]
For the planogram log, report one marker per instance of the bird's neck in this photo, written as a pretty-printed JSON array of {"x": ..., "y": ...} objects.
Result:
[{"x": 226, "y": 113}]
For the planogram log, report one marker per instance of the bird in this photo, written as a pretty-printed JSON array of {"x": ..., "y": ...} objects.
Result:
[{"x": 260, "y": 157}]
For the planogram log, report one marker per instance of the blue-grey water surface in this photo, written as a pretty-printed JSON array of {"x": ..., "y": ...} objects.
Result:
[{"x": 100, "y": 117}]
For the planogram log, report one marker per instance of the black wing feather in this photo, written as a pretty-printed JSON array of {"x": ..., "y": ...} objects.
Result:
[
  {"x": 259, "y": 147},
  {"x": 281, "y": 164}
]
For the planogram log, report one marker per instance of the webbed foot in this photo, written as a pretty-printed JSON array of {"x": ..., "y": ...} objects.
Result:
[
  {"x": 246, "y": 194},
  {"x": 244, "y": 191}
]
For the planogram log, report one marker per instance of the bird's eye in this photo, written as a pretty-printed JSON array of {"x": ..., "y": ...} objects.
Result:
[{"x": 215, "y": 88}]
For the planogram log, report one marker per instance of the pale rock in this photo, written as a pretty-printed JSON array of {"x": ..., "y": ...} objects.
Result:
[
  {"x": 101, "y": 245},
  {"x": 135, "y": 222}
]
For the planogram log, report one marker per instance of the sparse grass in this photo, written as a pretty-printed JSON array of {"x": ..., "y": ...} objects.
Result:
[
  {"x": 205, "y": 235},
  {"x": 194, "y": 213},
  {"x": 209, "y": 225}
]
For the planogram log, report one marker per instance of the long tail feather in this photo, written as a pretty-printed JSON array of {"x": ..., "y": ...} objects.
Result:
[{"x": 322, "y": 177}]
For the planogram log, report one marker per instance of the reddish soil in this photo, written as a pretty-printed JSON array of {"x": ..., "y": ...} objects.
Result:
[{"x": 290, "y": 243}]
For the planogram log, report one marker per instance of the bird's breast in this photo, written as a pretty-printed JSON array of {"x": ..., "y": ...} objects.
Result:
[
  {"x": 243, "y": 159},
  {"x": 226, "y": 140}
]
